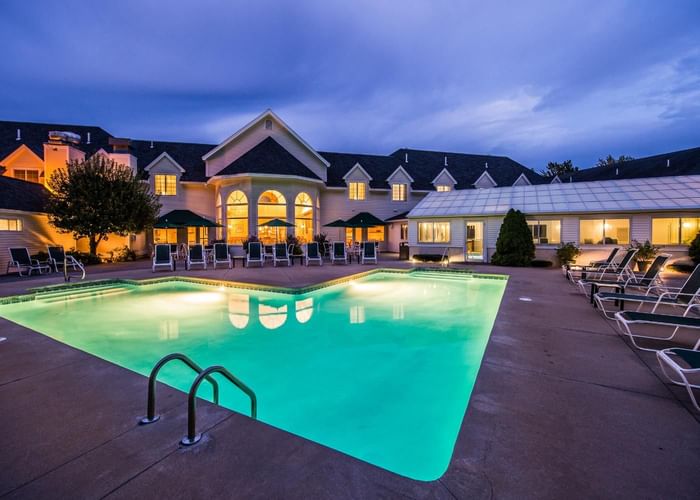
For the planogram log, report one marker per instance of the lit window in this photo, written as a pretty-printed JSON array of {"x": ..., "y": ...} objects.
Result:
[
  {"x": 357, "y": 190},
  {"x": 604, "y": 231},
  {"x": 674, "y": 230},
  {"x": 545, "y": 232},
  {"x": 433, "y": 232},
  {"x": 271, "y": 205},
  {"x": 404, "y": 231},
  {"x": 165, "y": 235},
  {"x": 398, "y": 192},
  {"x": 443, "y": 188},
  {"x": 236, "y": 218},
  {"x": 375, "y": 233},
  {"x": 165, "y": 184},
  {"x": 303, "y": 217},
  {"x": 10, "y": 224},
  {"x": 26, "y": 175}
]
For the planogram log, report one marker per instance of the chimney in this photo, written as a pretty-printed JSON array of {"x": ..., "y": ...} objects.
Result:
[
  {"x": 61, "y": 147},
  {"x": 19, "y": 135},
  {"x": 151, "y": 144},
  {"x": 88, "y": 138},
  {"x": 486, "y": 165},
  {"x": 121, "y": 153},
  {"x": 668, "y": 162},
  {"x": 405, "y": 158},
  {"x": 445, "y": 160}
]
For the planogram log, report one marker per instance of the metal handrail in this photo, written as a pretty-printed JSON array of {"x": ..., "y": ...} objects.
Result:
[
  {"x": 151, "y": 408},
  {"x": 192, "y": 436}
]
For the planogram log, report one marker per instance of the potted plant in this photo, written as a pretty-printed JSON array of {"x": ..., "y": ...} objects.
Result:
[
  {"x": 249, "y": 239},
  {"x": 321, "y": 239},
  {"x": 567, "y": 253},
  {"x": 645, "y": 254}
]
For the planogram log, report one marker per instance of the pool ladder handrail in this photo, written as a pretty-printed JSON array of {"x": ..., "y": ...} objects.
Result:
[
  {"x": 151, "y": 416},
  {"x": 192, "y": 436}
]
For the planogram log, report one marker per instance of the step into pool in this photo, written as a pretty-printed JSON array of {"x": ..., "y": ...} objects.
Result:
[{"x": 380, "y": 367}]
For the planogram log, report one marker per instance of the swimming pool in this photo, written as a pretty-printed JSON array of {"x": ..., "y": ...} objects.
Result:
[{"x": 380, "y": 367}]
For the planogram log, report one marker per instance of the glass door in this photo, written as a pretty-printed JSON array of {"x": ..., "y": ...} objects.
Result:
[{"x": 474, "y": 251}]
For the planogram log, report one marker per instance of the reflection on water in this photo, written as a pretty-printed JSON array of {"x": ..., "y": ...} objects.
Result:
[
  {"x": 398, "y": 312},
  {"x": 169, "y": 329},
  {"x": 357, "y": 314},
  {"x": 304, "y": 308},
  {"x": 239, "y": 310},
  {"x": 272, "y": 317}
]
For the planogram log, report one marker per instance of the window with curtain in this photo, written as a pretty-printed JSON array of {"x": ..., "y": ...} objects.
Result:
[
  {"x": 236, "y": 217},
  {"x": 271, "y": 205},
  {"x": 304, "y": 217},
  {"x": 398, "y": 192},
  {"x": 433, "y": 232},
  {"x": 443, "y": 188},
  {"x": 10, "y": 224},
  {"x": 29, "y": 175},
  {"x": 357, "y": 190},
  {"x": 674, "y": 230},
  {"x": 165, "y": 184},
  {"x": 604, "y": 231},
  {"x": 375, "y": 233},
  {"x": 545, "y": 232},
  {"x": 165, "y": 235}
]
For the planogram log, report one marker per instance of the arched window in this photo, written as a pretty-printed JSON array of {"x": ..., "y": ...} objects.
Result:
[
  {"x": 219, "y": 218},
  {"x": 303, "y": 217},
  {"x": 236, "y": 218},
  {"x": 271, "y": 205}
]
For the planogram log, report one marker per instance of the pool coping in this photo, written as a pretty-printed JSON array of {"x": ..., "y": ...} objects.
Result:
[{"x": 35, "y": 293}]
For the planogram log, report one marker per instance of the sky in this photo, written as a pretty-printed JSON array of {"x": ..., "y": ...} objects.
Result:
[{"x": 537, "y": 81}]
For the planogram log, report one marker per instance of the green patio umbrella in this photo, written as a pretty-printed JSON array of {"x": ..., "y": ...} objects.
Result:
[
  {"x": 276, "y": 223},
  {"x": 364, "y": 219},
  {"x": 183, "y": 218}
]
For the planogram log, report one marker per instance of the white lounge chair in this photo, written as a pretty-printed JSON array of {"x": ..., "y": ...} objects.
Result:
[
  {"x": 221, "y": 255},
  {"x": 163, "y": 257},
  {"x": 312, "y": 254},
  {"x": 626, "y": 319},
  {"x": 255, "y": 254},
  {"x": 368, "y": 252},
  {"x": 21, "y": 260},
  {"x": 280, "y": 253},
  {"x": 595, "y": 279},
  {"x": 58, "y": 257},
  {"x": 685, "y": 365},
  {"x": 196, "y": 256},
  {"x": 339, "y": 253}
]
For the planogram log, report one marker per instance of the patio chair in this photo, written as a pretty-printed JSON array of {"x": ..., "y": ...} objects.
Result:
[
  {"x": 368, "y": 252},
  {"x": 609, "y": 275},
  {"x": 669, "y": 362},
  {"x": 339, "y": 253},
  {"x": 626, "y": 319},
  {"x": 593, "y": 266},
  {"x": 657, "y": 295},
  {"x": 221, "y": 255},
  {"x": 59, "y": 258},
  {"x": 312, "y": 254},
  {"x": 647, "y": 283},
  {"x": 163, "y": 257},
  {"x": 196, "y": 256},
  {"x": 255, "y": 254},
  {"x": 280, "y": 253},
  {"x": 237, "y": 252},
  {"x": 21, "y": 260}
]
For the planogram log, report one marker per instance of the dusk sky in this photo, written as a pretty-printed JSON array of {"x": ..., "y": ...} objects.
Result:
[{"x": 536, "y": 81}]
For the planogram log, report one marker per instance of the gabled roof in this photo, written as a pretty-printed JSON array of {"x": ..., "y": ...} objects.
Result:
[
  {"x": 446, "y": 172},
  {"x": 400, "y": 169},
  {"x": 357, "y": 166},
  {"x": 268, "y": 113},
  {"x": 16, "y": 194},
  {"x": 268, "y": 157},
  {"x": 378, "y": 166},
  {"x": 34, "y": 135},
  {"x": 161, "y": 156},
  {"x": 524, "y": 179},
  {"x": 187, "y": 155},
  {"x": 488, "y": 177},
  {"x": 684, "y": 162}
]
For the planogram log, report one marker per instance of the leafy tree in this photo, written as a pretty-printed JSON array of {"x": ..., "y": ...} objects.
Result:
[
  {"x": 610, "y": 160},
  {"x": 694, "y": 249},
  {"x": 554, "y": 168},
  {"x": 96, "y": 197},
  {"x": 514, "y": 246}
]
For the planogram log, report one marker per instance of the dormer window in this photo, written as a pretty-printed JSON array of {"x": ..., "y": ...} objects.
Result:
[
  {"x": 399, "y": 192},
  {"x": 443, "y": 188},
  {"x": 165, "y": 184},
  {"x": 268, "y": 124},
  {"x": 357, "y": 190}
]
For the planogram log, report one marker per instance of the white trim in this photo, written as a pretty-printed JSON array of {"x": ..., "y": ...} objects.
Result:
[
  {"x": 160, "y": 157},
  {"x": 489, "y": 178},
  {"x": 522, "y": 176},
  {"x": 101, "y": 151},
  {"x": 556, "y": 180},
  {"x": 16, "y": 152},
  {"x": 355, "y": 167},
  {"x": 265, "y": 176},
  {"x": 444, "y": 170},
  {"x": 202, "y": 183},
  {"x": 399, "y": 168},
  {"x": 265, "y": 114}
]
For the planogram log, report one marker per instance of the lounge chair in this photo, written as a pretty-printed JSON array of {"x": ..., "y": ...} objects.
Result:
[
  {"x": 646, "y": 283},
  {"x": 163, "y": 257},
  {"x": 608, "y": 276},
  {"x": 21, "y": 260},
  {"x": 280, "y": 253},
  {"x": 221, "y": 255},
  {"x": 669, "y": 361},
  {"x": 368, "y": 252},
  {"x": 593, "y": 266},
  {"x": 312, "y": 254},
  {"x": 58, "y": 258},
  {"x": 658, "y": 295},
  {"x": 255, "y": 254},
  {"x": 339, "y": 253},
  {"x": 625, "y": 320},
  {"x": 196, "y": 256}
]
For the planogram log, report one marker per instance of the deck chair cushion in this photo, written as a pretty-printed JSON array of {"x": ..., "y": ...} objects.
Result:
[{"x": 666, "y": 319}]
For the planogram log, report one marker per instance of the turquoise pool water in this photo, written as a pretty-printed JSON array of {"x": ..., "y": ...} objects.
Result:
[{"x": 380, "y": 368}]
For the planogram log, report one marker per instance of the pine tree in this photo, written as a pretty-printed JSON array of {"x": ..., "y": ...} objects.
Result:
[{"x": 514, "y": 246}]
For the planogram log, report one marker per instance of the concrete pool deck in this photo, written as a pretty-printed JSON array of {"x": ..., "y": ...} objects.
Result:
[{"x": 562, "y": 407}]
